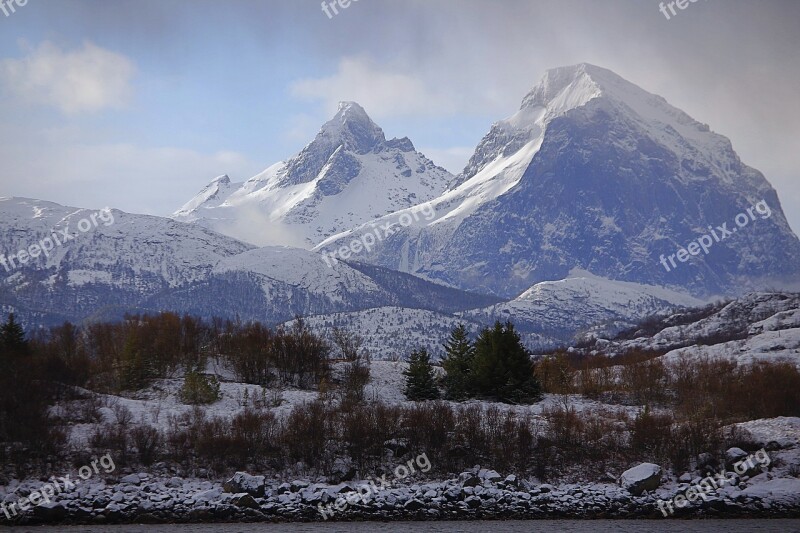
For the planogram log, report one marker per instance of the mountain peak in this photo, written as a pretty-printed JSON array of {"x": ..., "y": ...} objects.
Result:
[
  {"x": 352, "y": 128},
  {"x": 352, "y": 110},
  {"x": 564, "y": 88}
]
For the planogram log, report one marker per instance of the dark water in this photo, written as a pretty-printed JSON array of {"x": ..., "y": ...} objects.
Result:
[{"x": 570, "y": 526}]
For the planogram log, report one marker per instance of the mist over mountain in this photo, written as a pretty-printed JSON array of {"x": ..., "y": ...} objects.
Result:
[{"x": 348, "y": 175}]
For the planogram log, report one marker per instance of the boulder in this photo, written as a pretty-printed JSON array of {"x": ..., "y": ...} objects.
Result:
[
  {"x": 489, "y": 475},
  {"x": 734, "y": 455},
  {"x": 471, "y": 481},
  {"x": 414, "y": 505},
  {"x": 132, "y": 479},
  {"x": 645, "y": 477},
  {"x": 298, "y": 485},
  {"x": 50, "y": 512},
  {"x": 242, "y": 482},
  {"x": 246, "y": 501}
]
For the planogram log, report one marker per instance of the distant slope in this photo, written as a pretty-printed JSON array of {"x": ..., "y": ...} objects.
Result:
[{"x": 140, "y": 263}]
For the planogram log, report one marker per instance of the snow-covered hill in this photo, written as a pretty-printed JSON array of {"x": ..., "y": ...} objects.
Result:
[
  {"x": 350, "y": 174},
  {"x": 759, "y": 326},
  {"x": 128, "y": 263},
  {"x": 557, "y": 309}
]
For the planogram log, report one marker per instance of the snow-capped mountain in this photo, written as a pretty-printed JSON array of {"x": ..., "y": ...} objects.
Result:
[
  {"x": 595, "y": 173},
  {"x": 127, "y": 263},
  {"x": 348, "y": 175}
]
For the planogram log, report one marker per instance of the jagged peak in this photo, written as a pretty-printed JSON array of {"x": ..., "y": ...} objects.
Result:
[
  {"x": 352, "y": 128},
  {"x": 565, "y": 88},
  {"x": 353, "y": 111}
]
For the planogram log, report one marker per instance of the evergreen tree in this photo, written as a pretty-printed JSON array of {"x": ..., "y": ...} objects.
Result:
[
  {"x": 420, "y": 380},
  {"x": 502, "y": 367},
  {"x": 12, "y": 337},
  {"x": 457, "y": 362}
]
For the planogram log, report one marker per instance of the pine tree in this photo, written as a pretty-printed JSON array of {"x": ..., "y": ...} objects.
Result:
[
  {"x": 502, "y": 367},
  {"x": 12, "y": 337},
  {"x": 458, "y": 359},
  {"x": 420, "y": 380}
]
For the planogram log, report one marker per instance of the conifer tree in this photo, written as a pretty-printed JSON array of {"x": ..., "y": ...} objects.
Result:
[
  {"x": 420, "y": 380},
  {"x": 458, "y": 359},
  {"x": 502, "y": 367},
  {"x": 12, "y": 337}
]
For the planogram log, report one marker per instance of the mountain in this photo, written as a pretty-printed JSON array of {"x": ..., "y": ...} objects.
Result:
[
  {"x": 556, "y": 310},
  {"x": 597, "y": 174},
  {"x": 755, "y": 327},
  {"x": 119, "y": 262},
  {"x": 126, "y": 263},
  {"x": 348, "y": 175}
]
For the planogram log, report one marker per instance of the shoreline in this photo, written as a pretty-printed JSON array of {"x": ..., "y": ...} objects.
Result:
[{"x": 138, "y": 499}]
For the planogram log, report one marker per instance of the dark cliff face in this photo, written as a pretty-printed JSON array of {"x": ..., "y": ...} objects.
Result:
[{"x": 603, "y": 196}]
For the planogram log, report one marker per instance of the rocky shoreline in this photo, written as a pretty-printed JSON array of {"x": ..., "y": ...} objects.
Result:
[{"x": 475, "y": 495}]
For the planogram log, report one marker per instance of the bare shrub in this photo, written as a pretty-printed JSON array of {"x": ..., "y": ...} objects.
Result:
[{"x": 147, "y": 441}]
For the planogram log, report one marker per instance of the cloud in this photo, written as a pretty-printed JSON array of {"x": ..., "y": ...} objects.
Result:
[
  {"x": 84, "y": 80},
  {"x": 381, "y": 92}
]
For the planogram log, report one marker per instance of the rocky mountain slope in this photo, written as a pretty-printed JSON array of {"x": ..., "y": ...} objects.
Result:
[
  {"x": 348, "y": 175},
  {"x": 595, "y": 173}
]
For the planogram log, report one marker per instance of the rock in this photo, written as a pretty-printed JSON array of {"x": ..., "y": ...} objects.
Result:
[
  {"x": 246, "y": 501},
  {"x": 644, "y": 477},
  {"x": 473, "y": 502},
  {"x": 297, "y": 486},
  {"x": 489, "y": 475},
  {"x": 685, "y": 478},
  {"x": 132, "y": 479},
  {"x": 734, "y": 455},
  {"x": 209, "y": 496},
  {"x": 511, "y": 481},
  {"x": 50, "y": 512},
  {"x": 414, "y": 505},
  {"x": 471, "y": 481},
  {"x": 243, "y": 482},
  {"x": 174, "y": 483}
]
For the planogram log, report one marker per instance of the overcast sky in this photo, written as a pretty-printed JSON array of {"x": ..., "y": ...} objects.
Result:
[{"x": 138, "y": 104}]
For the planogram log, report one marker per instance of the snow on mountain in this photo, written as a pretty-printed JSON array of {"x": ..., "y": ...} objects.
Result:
[
  {"x": 118, "y": 262},
  {"x": 116, "y": 249},
  {"x": 138, "y": 263},
  {"x": 393, "y": 332},
  {"x": 595, "y": 173},
  {"x": 559, "y": 309},
  {"x": 349, "y": 175},
  {"x": 759, "y": 326}
]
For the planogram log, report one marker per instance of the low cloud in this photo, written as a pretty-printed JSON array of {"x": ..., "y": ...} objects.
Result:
[
  {"x": 84, "y": 80},
  {"x": 381, "y": 92}
]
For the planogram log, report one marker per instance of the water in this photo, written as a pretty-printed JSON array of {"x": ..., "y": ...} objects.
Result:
[{"x": 569, "y": 526}]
